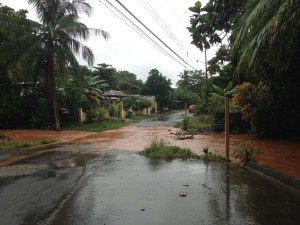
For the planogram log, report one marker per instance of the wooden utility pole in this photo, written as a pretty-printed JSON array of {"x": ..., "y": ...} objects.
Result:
[
  {"x": 185, "y": 109},
  {"x": 205, "y": 63},
  {"x": 227, "y": 127}
]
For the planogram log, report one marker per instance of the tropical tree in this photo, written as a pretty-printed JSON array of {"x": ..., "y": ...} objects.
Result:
[
  {"x": 128, "y": 82},
  {"x": 107, "y": 73},
  {"x": 197, "y": 79},
  {"x": 211, "y": 23},
  {"x": 185, "y": 80},
  {"x": 186, "y": 96},
  {"x": 49, "y": 47},
  {"x": 93, "y": 89},
  {"x": 269, "y": 25},
  {"x": 159, "y": 86}
]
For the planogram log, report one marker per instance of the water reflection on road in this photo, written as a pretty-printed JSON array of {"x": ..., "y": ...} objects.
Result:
[{"x": 129, "y": 189}]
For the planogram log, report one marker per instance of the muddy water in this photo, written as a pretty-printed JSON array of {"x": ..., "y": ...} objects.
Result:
[
  {"x": 283, "y": 156},
  {"x": 129, "y": 189}
]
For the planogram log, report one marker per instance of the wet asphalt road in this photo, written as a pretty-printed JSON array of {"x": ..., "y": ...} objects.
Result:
[
  {"x": 72, "y": 185},
  {"x": 162, "y": 120}
]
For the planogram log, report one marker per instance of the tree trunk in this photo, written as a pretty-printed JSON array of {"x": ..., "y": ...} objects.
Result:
[
  {"x": 51, "y": 86},
  {"x": 227, "y": 127}
]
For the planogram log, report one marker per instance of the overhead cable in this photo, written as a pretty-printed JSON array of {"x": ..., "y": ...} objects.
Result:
[
  {"x": 124, "y": 7},
  {"x": 161, "y": 23},
  {"x": 136, "y": 28}
]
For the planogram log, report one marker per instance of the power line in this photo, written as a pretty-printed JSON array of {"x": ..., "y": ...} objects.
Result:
[
  {"x": 161, "y": 23},
  {"x": 124, "y": 7},
  {"x": 133, "y": 26},
  {"x": 176, "y": 14}
]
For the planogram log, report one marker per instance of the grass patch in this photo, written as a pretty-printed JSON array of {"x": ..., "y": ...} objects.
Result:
[
  {"x": 160, "y": 150},
  {"x": 208, "y": 157},
  {"x": 24, "y": 144},
  {"x": 99, "y": 126}
]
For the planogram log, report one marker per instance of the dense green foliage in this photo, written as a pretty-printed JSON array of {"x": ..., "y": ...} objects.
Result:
[
  {"x": 262, "y": 38},
  {"x": 128, "y": 82},
  {"x": 136, "y": 103},
  {"x": 185, "y": 95},
  {"x": 258, "y": 43},
  {"x": 48, "y": 47},
  {"x": 159, "y": 86},
  {"x": 106, "y": 72}
]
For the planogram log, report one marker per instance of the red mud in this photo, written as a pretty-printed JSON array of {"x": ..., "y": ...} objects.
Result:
[{"x": 283, "y": 156}]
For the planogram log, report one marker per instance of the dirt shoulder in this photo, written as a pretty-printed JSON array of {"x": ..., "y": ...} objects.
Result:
[{"x": 283, "y": 156}]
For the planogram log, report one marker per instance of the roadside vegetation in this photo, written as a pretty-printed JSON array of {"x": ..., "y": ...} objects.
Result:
[
  {"x": 197, "y": 123},
  {"x": 11, "y": 144},
  {"x": 253, "y": 61},
  {"x": 99, "y": 126},
  {"x": 159, "y": 149}
]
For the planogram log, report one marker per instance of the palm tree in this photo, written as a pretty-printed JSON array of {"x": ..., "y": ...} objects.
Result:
[
  {"x": 185, "y": 80},
  {"x": 49, "y": 47},
  {"x": 272, "y": 25},
  {"x": 93, "y": 89}
]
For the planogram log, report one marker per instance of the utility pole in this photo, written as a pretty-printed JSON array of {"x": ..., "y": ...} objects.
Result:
[
  {"x": 227, "y": 127},
  {"x": 205, "y": 63}
]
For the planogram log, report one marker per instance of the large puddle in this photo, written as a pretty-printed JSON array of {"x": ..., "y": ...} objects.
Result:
[{"x": 129, "y": 189}]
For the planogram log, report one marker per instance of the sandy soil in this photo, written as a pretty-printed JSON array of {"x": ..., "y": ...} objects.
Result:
[{"x": 283, "y": 156}]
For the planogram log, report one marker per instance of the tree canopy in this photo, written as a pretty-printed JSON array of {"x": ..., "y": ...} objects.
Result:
[
  {"x": 158, "y": 86},
  {"x": 49, "y": 47}
]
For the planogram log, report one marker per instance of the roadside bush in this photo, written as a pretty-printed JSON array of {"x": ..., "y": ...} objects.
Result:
[
  {"x": 160, "y": 150},
  {"x": 202, "y": 123},
  {"x": 237, "y": 124},
  {"x": 246, "y": 152},
  {"x": 136, "y": 103},
  {"x": 100, "y": 113}
]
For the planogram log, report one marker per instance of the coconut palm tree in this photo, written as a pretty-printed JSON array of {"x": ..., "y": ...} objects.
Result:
[
  {"x": 185, "y": 80},
  {"x": 272, "y": 25},
  {"x": 49, "y": 47}
]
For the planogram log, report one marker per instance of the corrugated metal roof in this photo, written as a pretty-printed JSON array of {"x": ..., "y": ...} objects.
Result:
[{"x": 113, "y": 93}]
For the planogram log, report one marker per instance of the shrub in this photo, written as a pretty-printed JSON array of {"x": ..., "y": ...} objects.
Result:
[
  {"x": 246, "y": 152},
  {"x": 136, "y": 103},
  {"x": 160, "y": 150}
]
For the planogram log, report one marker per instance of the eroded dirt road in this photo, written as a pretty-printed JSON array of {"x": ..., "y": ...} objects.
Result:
[{"x": 283, "y": 156}]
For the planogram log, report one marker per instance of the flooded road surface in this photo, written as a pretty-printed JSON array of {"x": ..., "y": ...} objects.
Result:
[
  {"x": 129, "y": 189},
  {"x": 74, "y": 186},
  {"x": 102, "y": 180},
  {"x": 282, "y": 156}
]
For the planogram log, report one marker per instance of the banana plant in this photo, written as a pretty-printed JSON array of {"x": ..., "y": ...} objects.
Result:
[{"x": 225, "y": 93}]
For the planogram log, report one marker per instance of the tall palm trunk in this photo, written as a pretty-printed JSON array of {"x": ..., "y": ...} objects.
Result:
[{"x": 50, "y": 85}]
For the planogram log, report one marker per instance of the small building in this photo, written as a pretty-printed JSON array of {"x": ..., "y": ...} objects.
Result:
[{"x": 113, "y": 94}]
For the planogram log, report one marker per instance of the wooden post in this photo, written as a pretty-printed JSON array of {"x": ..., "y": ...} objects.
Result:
[
  {"x": 121, "y": 109},
  {"x": 227, "y": 127},
  {"x": 185, "y": 109}
]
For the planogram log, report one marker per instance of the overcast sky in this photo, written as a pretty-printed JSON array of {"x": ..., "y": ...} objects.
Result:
[{"x": 126, "y": 49}]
